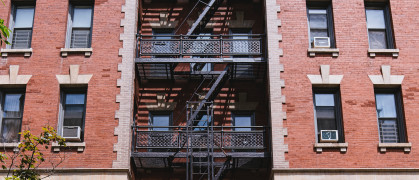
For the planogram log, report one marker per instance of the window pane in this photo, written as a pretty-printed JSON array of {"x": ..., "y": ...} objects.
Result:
[
  {"x": 24, "y": 17},
  {"x": 74, "y": 98},
  {"x": 326, "y": 124},
  {"x": 377, "y": 39},
  {"x": 318, "y": 21},
  {"x": 10, "y": 130},
  {"x": 161, "y": 120},
  {"x": 80, "y": 38},
  {"x": 318, "y": 33},
  {"x": 205, "y": 120},
  {"x": 21, "y": 39},
  {"x": 201, "y": 66},
  {"x": 375, "y": 18},
  {"x": 73, "y": 122},
  {"x": 73, "y": 112},
  {"x": 388, "y": 131},
  {"x": 82, "y": 17},
  {"x": 317, "y": 11},
  {"x": 12, "y": 105},
  {"x": 324, "y": 99},
  {"x": 325, "y": 112},
  {"x": 242, "y": 121},
  {"x": 386, "y": 105}
]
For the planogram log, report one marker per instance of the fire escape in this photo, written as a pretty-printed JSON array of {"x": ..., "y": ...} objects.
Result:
[{"x": 206, "y": 151}]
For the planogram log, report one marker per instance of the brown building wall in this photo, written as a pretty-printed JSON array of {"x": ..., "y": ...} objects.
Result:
[
  {"x": 43, "y": 90},
  {"x": 357, "y": 90}
]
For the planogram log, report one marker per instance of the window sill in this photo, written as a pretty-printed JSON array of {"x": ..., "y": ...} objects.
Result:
[
  {"x": 373, "y": 52},
  {"x": 10, "y": 146},
  {"x": 319, "y": 146},
  {"x": 79, "y": 145},
  {"x": 406, "y": 146},
  {"x": 25, "y": 52},
  {"x": 87, "y": 51},
  {"x": 312, "y": 51}
]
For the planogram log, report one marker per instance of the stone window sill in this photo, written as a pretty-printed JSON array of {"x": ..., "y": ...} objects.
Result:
[
  {"x": 79, "y": 145},
  {"x": 319, "y": 146},
  {"x": 373, "y": 52},
  {"x": 25, "y": 52},
  {"x": 312, "y": 51},
  {"x": 10, "y": 146},
  {"x": 406, "y": 146},
  {"x": 87, "y": 51}
]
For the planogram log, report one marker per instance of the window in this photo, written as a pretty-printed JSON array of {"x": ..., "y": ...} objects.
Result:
[
  {"x": 327, "y": 110},
  {"x": 380, "y": 34},
  {"x": 72, "y": 111},
  {"x": 79, "y": 30},
  {"x": 21, "y": 24},
  {"x": 243, "y": 121},
  {"x": 203, "y": 123},
  {"x": 320, "y": 21},
  {"x": 390, "y": 115},
  {"x": 12, "y": 111},
  {"x": 163, "y": 119}
]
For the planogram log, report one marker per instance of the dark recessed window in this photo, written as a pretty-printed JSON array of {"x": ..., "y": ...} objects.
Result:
[
  {"x": 12, "y": 112},
  {"x": 160, "y": 120},
  {"x": 390, "y": 115},
  {"x": 380, "y": 33},
  {"x": 22, "y": 25},
  {"x": 328, "y": 113},
  {"x": 73, "y": 110},
  {"x": 320, "y": 21}
]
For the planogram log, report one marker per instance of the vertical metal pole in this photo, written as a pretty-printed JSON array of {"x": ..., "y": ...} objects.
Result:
[
  {"x": 181, "y": 46},
  {"x": 187, "y": 141}
]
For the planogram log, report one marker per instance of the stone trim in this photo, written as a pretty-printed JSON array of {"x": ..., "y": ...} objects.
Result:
[
  {"x": 277, "y": 115},
  {"x": 325, "y": 78},
  {"x": 79, "y": 145},
  {"x": 240, "y": 22},
  {"x": 386, "y": 78},
  {"x": 74, "y": 77},
  {"x": 13, "y": 77},
  {"x": 161, "y": 104},
  {"x": 312, "y": 51},
  {"x": 87, "y": 51},
  {"x": 25, "y": 52},
  {"x": 319, "y": 146},
  {"x": 405, "y": 146},
  {"x": 393, "y": 52},
  {"x": 125, "y": 97},
  {"x": 164, "y": 21}
]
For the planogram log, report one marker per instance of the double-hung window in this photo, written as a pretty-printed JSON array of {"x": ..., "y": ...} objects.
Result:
[
  {"x": 320, "y": 21},
  {"x": 243, "y": 121},
  {"x": 390, "y": 116},
  {"x": 380, "y": 33},
  {"x": 160, "y": 121},
  {"x": 73, "y": 110},
  {"x": 79, "y": 30},
  {"x": 328, "y": 113},
  {"x": 12, "y": 111},
  {"x": 21, "y": 24}
]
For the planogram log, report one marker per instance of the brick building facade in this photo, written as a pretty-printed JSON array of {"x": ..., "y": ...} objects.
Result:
[{"x": 246, "y": 96}]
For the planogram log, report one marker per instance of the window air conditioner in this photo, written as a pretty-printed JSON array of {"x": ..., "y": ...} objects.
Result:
[
  {"x": 321, "y": 42},
  {"x": 329, "y": 136},
  {"x": 71, "y": 133}
]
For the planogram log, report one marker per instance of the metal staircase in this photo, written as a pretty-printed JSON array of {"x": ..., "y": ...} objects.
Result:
[{"x": 205, "y": 16}]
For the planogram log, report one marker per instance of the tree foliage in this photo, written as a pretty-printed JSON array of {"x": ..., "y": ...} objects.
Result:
[
  {"x": 4, "y": 31},
  {"x": 28, "y": 156}
]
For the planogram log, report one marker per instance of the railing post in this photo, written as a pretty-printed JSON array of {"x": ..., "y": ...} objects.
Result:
[
  {"x": 138, "y": 51},
  {"x": 181, "y": 46},
  {"x": 221, "y": 46}
]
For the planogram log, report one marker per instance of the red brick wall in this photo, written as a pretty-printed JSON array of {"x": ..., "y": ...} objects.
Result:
[
  {"x": 43, "y": 90},
  {"x": 357, "y": 91}
]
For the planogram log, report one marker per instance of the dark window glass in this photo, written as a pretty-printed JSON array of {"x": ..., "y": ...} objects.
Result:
[
  {"x": 328, "y": 111},
  {"x": 22, "y": 29},
  {"x": 320, "y": 21},
  {"x": 160, "y": 119},
  {"x": 81, "y": 27},
  {"x": 390, "y": 116},
  {"x": 380, "y": 35},
  {"x": 243, "y": 121},
  {"x": 12, "y": 116},
  {"x": 74, "y": 107}
]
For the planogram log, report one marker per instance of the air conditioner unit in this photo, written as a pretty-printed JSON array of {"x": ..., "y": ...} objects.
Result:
[
  {"x": 329, "y": 136},
  {"x": 321, "y": 42},
  {"x": 71, "y": 133}
]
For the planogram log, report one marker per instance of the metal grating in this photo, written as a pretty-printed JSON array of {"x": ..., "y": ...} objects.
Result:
[
  {"x": 388, "y": 131},
  {"x": 80, "y": 38},
  {"x": 21, "y": 38}
]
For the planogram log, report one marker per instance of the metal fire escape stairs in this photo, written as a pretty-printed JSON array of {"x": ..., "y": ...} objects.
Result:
[
  {"x": 200, "y": 137},
  {"x": 205, "y": 16}
]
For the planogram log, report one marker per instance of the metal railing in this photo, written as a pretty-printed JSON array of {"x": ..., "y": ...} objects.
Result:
[
  {"x": 225, "y": 137},
  {"x": 195, "y": 45}
]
